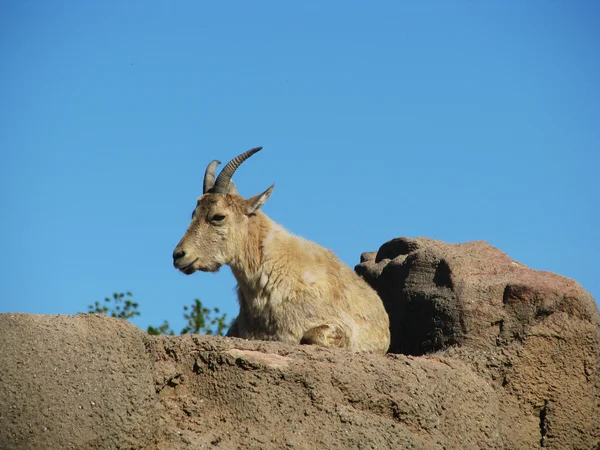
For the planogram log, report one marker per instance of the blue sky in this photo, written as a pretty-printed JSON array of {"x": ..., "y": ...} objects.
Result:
[{"x": 457, "y": 121}]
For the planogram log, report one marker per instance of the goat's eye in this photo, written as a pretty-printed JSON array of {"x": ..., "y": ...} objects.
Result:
[{"x": 217, "y": 218}]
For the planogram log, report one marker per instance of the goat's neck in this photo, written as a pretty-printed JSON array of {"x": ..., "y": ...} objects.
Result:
[{"x": 246, "y": 267}]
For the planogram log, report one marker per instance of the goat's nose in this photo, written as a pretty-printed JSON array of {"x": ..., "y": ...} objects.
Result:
[{"x": 178, "y": 253}]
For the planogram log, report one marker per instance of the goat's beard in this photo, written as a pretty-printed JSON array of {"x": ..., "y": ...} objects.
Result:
[
  {"x": 212, "y": 269},
  {"x": 188, "y": 270}
]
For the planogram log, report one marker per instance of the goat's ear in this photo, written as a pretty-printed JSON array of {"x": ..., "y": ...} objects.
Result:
[
  {"x": 232, "y": 189},
  {"x": 253, "y": 204}
]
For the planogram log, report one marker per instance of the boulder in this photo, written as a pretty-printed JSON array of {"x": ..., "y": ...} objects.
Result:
[{"x": 533, "y": 335}]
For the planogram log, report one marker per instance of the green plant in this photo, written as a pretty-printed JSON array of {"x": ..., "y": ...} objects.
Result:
[
  {"x": 120, "y": 306},
  {"x": 201, "y": 320},
  {"x": 163, "y": 329}
]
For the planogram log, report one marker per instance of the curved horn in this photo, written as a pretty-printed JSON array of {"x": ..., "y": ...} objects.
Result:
[
  {"x": 209, "y": 175},
  {"x": 224, "y": 178}
]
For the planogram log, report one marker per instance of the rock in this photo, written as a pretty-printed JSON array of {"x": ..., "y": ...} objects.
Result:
[
  {"x": 74, "y": 382},
  {"x": 534, "y": 335},
  {"x": 95, "y": 382},
  {"x": 496, "y": 356}
]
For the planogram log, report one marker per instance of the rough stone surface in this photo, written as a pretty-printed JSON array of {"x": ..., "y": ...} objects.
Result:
[
  {"x": 95, "y": 382},
  {"x": 496, "y": 356},
  {"x": 533, "y": 335},
  {"x": 74, "y": 382}
]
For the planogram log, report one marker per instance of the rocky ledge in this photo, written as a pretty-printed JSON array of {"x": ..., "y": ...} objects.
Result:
[{"x": 486, "y": 353}]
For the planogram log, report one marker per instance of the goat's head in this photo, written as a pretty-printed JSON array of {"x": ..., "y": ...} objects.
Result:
[{"x": 219, "y": 222}]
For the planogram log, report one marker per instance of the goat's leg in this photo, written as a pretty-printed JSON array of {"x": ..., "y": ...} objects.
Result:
[
  {"x": 326, "y": 336},
  {"x": 234, "y": 329}
]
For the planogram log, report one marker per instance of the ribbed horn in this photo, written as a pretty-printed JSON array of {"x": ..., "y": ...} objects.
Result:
[
  {"x": 209, "y": 175},
  {"x": 224, "y": 178}
]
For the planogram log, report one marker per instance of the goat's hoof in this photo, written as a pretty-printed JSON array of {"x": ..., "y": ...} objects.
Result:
[{"x": 326, "y": 336}]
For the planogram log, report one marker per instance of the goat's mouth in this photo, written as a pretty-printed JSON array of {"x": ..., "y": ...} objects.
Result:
[{"x": 187, "y": 268}]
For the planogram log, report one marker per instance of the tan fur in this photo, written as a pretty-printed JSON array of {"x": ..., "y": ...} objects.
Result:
[{"x": 289, "y": 289}]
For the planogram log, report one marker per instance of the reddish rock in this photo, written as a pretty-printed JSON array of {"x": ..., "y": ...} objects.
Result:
[{"x": 533, "y": 335}]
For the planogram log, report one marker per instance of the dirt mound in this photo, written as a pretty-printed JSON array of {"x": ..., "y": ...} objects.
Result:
[{"x": 502, "y": 357}]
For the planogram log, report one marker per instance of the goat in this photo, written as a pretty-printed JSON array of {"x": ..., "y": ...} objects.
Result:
[{"x": 289, "y": 289}]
